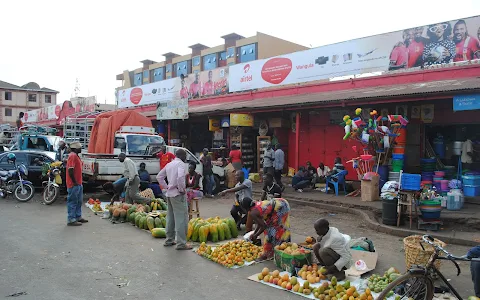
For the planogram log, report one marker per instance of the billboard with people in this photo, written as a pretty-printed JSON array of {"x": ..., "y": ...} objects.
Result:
[
  {"x": 418, "y": 47},
  {"x": 60, "y": 111},
  {"x": 202, "y": 84}
]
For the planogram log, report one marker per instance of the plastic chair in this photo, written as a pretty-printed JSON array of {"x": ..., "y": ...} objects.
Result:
[{"x": 340, "y": 176}]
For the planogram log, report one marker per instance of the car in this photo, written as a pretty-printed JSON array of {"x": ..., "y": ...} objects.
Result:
[{"x": 28, "y": 159}]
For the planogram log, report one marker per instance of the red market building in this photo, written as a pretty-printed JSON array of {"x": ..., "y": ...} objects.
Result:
[{"x": 305, "y": 118}]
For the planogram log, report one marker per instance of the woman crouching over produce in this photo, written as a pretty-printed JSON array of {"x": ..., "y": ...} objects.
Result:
[{"x": 272, "y": 218}]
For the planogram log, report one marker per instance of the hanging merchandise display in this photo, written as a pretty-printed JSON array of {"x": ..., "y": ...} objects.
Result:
[{"x": 381, "y": 137}]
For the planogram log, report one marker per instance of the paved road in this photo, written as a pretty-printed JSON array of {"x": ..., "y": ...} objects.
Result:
[{"x": 48, "y": 260}]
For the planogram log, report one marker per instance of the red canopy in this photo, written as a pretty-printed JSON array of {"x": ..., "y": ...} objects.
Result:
[{"x": 106, "y": 124}]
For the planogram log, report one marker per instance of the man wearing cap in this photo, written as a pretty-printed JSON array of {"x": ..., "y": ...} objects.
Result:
[
  {"x": 74, "y": 187},
  {"x": 133, "y": 181}
]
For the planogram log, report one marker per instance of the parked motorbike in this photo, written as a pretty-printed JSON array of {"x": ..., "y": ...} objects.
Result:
[
  {"x": 14, "y": 182},
  {"x": 51, "y": 191}
]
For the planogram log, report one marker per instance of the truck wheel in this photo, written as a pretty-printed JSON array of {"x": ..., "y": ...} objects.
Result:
[{"x": 218, "y": 188}]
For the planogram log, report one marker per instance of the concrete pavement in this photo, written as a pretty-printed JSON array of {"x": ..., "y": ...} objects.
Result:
[{"x": 48, "y": 260}]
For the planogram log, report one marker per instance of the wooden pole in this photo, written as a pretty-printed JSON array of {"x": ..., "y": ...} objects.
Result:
[{"x": 297, "y": 141}]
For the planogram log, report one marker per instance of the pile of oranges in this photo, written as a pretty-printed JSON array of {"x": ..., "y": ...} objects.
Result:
[
  {"x": 327, "y": 290},
  {"x": 233, "y": 253},
  {"x": 312, "y": 274}
]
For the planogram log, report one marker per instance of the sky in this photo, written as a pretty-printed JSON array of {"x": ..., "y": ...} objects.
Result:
[{"x": 55, "y": 42}]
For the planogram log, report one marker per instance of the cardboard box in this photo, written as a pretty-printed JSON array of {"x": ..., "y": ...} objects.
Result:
[
  {"x": 230, "y": 174},
  {"x": 370, "y": 259},
  {"x": 370, "y": 189},
  {"x": 278, "y": 123}
]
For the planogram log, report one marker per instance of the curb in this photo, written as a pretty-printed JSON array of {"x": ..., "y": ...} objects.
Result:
[{"x": 372, "y": 224}]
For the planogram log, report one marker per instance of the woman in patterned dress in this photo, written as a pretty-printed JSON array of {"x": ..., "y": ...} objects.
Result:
[{"x": 272, "y": 218}]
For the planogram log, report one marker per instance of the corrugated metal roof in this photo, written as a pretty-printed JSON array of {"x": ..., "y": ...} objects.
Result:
[
  {"x": 408, "y": 90},
  {"x": 26, "y": 87},
  {"x": 6, "y": 85}
]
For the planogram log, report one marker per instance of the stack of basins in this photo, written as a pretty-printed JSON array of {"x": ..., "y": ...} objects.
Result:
[
  {"x": 428, "y": 166},
  {"x": 398, "y": 155},
  {"x": 441, "y": 184},
  {"x": 450, "y": 172},
  {"x": 431, "y": 209},
  {"x": 471, "y": 184}
]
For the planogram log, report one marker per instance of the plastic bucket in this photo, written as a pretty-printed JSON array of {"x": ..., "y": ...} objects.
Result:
[
  {"x": 402, "y": 136},
  {"x": 471, "y": 190},
  {"x": 398, "y": 156},
  {"x": 471, "y": 179},
  {"x": 389, "y": 212},
  {"x": 399, "y": 150},
  {"x": 444, "y": 185},
  {"x": 383, "y": 173}
]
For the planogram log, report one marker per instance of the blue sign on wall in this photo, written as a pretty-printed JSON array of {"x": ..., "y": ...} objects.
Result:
[{"x": 466, "y": 102}]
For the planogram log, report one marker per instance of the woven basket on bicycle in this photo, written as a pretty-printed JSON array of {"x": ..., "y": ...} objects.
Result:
[{"x": 415, "y": 255}]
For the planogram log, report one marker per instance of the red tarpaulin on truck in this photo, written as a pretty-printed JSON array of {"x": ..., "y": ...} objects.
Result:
[{"x": 106, "y": 124}]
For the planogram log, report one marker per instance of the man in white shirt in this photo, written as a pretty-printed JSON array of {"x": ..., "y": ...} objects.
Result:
[
  {"x": 331, "y": 249},
  {"x": 133, "y": 181},
  {"x": 268, "y": 159},
  {"x": 467, "y": 154},
  {"x": 177, "y": 211},
  {"x": 322, "y": 173},
  {"x": 279, "y": 163}
]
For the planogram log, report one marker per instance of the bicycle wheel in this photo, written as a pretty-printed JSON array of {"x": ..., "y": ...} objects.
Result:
[{"x": 409, "y": 286}]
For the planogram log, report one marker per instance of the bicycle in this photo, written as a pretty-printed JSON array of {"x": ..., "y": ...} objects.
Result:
[{"x": 418, "y": 282}]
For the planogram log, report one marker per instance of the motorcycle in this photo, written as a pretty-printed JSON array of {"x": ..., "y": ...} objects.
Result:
[
  {"x": 14, "y": 182},
  {"x": 51, "y": 191}
]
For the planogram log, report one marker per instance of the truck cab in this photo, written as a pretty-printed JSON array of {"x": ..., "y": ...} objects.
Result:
[
  {"x": 135, "y": 140},
  {"x": 48, "y": 143}
]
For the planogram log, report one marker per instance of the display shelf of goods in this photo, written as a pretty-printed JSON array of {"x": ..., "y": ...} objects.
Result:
[
  {"x": 233, "y": 254},
  {"x": 211, "y": 229},
  {"x": 314, "y": 286}
]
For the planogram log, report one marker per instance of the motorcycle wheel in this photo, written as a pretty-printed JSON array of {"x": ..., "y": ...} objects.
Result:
[
  {"x": 25, "y": 194},
  {"x": 50, "y": 194}
]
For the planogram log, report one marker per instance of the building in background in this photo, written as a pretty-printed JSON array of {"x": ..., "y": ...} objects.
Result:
[
  {"x": 15, "y": 99},
  {"x": 235, "y": 49}
]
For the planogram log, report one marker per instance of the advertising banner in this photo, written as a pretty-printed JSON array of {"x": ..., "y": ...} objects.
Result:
[
  {"x": 60, "y": 111},
  {"x": 176, "y": 109},
  {"x": 151, "y": 93},
  {"x": 205, "y": 84},
  {"x": 241, "y": 120},
  {"x": 198, "y": 85},
  {"x": 466, "y": 102},
  {"x": 422, "y": 46}
]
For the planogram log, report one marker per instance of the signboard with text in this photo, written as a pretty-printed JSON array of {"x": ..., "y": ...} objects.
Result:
[
  {"x": 466, "y": 102},
  {"x": 151, "y": 93},
  {"x": 422, "y": 46}
]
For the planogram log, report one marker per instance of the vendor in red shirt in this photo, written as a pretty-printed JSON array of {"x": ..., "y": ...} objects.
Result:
[
  {"x": 195, "y": 87},
  {"x": 235, "y": 156},
  {"x": 208, "y": 87},
  {"x": 467, "y": 47},
  {"x": 165, "y": 157},
  {"x": 74, "y": 187}
]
